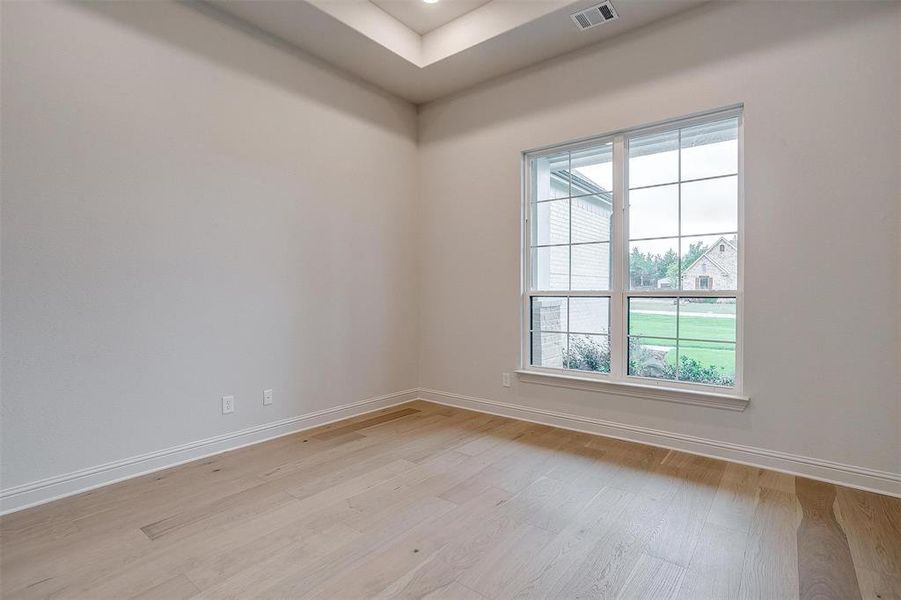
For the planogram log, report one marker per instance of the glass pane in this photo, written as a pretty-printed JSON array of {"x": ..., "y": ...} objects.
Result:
[
  {"x": 652, "y": 357},
  {"x": 592, "y": 171},
  {"x": 591, "y": 267},
  {"x": 654, "y": 264},
  {"x": 655, "y": 317},
  {"x": 588, "y": 353},
  {"x": 707, "y": 362},
  {"x": 710, "y": 206},
  {"x": 654, "y": 212},
  {"x": 654, "y": 159},
  {"x": 548, "y": 349},
  {"x": 707, "y": 319},
  {"x": 550, "y": 176},
  {"x": 710, "y": 149},
  {"x": 549, "y": 314},
  {"x": 591, "y": 218},
  {"x": 550, "y": 222},
  {"x": 589, "y": 315},
  {"x": 710, "y": 263},
  {"x": 550, "y": 268}
]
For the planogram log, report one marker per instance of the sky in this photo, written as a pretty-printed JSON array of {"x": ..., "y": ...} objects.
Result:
[{"x": 708, "y": 207}]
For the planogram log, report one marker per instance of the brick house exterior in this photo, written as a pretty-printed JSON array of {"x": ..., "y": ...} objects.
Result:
[{"x": 716, "y": 269}]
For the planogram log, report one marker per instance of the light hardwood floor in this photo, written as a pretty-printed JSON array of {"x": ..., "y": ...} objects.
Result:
[{"x": 427, "y": 501}]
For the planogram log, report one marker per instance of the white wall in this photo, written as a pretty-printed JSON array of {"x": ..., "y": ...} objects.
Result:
[
  {"x": 820, "y": 84},
  {"x": 190, "y": 211}
]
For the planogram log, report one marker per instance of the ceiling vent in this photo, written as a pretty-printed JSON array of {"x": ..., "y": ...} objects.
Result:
[{"x": 594, "y": 16}]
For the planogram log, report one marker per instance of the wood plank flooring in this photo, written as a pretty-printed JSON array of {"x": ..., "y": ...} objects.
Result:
[{"x": 425, "y": 501}]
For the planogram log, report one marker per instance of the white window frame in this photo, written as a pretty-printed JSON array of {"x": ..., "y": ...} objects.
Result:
[{"x": 618, "y": 381}]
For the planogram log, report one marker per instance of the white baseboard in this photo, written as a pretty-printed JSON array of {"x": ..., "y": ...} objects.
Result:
[
  {"x": 882, "y": 482},
  {"x": 68, "y": 484}
]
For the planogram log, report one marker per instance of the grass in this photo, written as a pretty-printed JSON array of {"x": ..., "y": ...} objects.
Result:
[{"x": 715, "y": 353}]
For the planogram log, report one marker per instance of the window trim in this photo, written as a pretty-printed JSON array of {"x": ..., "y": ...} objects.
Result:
[{"x": 618, "y": 380}]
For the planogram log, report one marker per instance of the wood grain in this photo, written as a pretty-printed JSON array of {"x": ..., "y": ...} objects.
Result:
[
  {"x": 825, "y": 566},
  {"x": 426, "y": 501}
]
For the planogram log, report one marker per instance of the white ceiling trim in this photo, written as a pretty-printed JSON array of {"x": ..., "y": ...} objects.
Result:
[
  {"x": 377, "y": 25},
  {"x": 482, "y": 24},
  {"x": 490, "y": 41},
  {"x": 423, "y": 17},
  {"x": 490, "y": 20}
]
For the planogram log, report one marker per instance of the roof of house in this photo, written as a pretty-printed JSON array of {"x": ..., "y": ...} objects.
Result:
[
  {"x": 584, "y": 185},
  {"x": 710, "y": 258}
]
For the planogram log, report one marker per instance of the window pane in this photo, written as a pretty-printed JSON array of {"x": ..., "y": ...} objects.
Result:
[
  {"x": 589, "y": 315},
  {"x": 654, "y": 159},
  {"x": 655, "y": 317},
  {"x": 548, "y": 349},
  {"x": 588, "y": 353},
  {"x": 710, "y": 206},
  {"x": 654, "y": 212},
  {"x": 652, "y": 357},
  {"x": 591, "y": 267},
  {"x": 653, "y": 264},
  {"x": 707, "y": 319},
  {"x": 710, "y": 263},
  {"x": 550, "y": 222},
  {"x": 550, "y": 268},
  {"x": 550, "y": 176},
  {"x": 591, "y": 218},
  {"x": 707, "y": 362},
  {"x": 710, "y": 149},
  {"x": 549, "y": 314},
  {"x": 592, "y": 170}
]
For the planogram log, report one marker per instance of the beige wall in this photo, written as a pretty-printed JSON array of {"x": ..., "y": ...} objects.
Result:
[
  {"x": 820, "y": 84},
  {"x": 190, "y": 211}
]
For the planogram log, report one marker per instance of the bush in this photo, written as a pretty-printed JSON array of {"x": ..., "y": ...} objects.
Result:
[
  {"x": 586, "y": 355},
  {"x": 692, "y": 370},
  {"x": 646, "y": 362}
]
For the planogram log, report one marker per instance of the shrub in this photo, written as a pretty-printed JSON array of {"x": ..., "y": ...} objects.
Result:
[
  {"x": 587, "y": 355},
  {"x": 647, "y": 362}
]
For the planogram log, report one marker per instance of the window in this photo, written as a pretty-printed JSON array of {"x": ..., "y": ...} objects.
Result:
[
  {"x": 569, "y": 257},
  {"x": 632, "y": 253}
]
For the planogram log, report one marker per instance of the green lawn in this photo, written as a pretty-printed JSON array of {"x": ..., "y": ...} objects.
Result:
[{"x": 698, "y": 327}]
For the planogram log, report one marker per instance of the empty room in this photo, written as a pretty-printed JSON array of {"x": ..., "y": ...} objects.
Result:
[{"x": 450, "y": 299}]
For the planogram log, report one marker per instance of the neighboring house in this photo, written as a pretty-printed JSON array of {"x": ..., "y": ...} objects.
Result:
[
  {"x": 590, "y": 262},
  {"x": 716, "y": 269},
  {"x": 591, "y": 210}
]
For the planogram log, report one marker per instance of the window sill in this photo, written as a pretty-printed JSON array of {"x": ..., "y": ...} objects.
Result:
[{"x": 636, "y": 390}]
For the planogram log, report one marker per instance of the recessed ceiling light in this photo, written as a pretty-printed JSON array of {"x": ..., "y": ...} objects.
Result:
[{"x": 430, "y": 1}]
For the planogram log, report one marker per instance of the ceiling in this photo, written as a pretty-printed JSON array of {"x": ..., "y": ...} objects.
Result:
[
  {"x": 380, "y": 40},
  {"x": 422, "y": 17}
]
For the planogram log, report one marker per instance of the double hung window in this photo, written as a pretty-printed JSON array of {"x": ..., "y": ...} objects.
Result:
[{"x": 632, "y": 255}]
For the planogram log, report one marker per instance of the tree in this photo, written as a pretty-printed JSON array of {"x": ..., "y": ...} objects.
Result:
[
  {"x": 641, "y": 267},
  {"x": 694, "y": 253},
  {"x": 647, "y": 269}
]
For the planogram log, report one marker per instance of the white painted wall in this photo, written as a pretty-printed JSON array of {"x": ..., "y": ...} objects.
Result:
[
  {"x": 190, "y": 211},
  {"x": 820, "y": 83}
]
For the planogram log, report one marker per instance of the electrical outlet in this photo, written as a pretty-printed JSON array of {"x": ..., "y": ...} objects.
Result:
[
  {"x": 228, "y": 405},
  {"x": 505, "y": 379},
  {"x": 267, "y": 397}
]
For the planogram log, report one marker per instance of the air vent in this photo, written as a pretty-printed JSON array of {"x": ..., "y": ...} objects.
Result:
[{"x": 594, "y": 16}]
